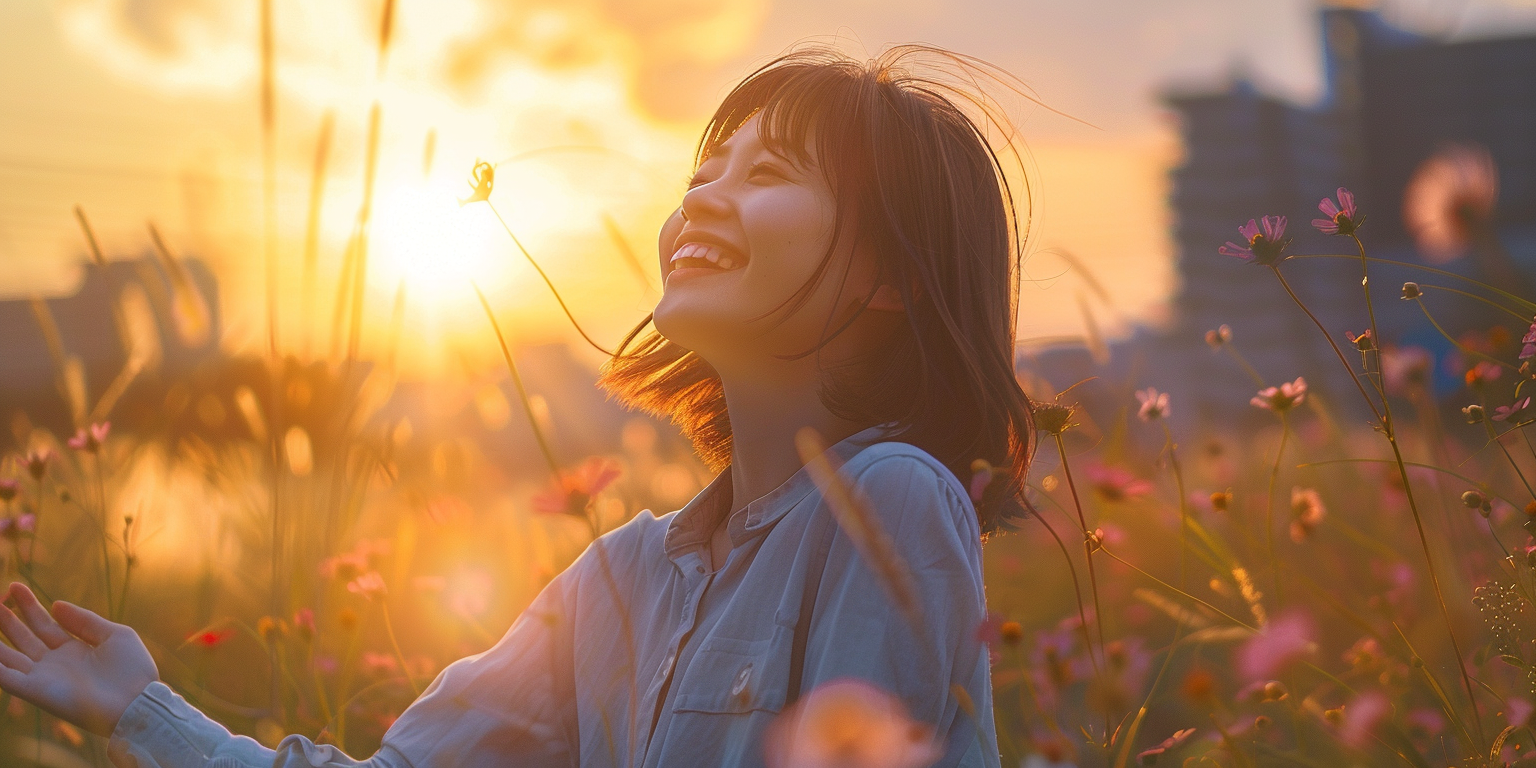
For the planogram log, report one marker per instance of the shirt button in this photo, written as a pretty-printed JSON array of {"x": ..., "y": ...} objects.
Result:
[
  {"x": 699, "y": 568},
  {"x": 741, "y": 680}
]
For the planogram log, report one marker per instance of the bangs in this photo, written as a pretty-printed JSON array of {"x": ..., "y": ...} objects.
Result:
[{"x": 795, "y": 102}]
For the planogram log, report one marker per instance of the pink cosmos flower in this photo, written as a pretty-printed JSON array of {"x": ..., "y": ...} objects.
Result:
[
  {"x": 89, "y": 439},
  {"x": 370, "y": 585},
  {"x": 1286, "y": 639},
  {"x": 577, "y": 487},
  {"x": 1362, "y": 716},
  {"x": 1505, "y": 412},
  {"x": 16, "y": 527},
  {"x": 345, "y": 566},
  {"x": 1150, "y": 756},
  {"x": 1307, "y": 512},
  {"x": 1282, "y": 398},
  {"x": 1529, "y": 340},
  {"x": 1341, "y": 217},
  {"x": 1154, "y": 404},
  {"x": 849, "y": 723},
  {"x": 379, "y": 663},
  {"x": 1265, "y": 243},
  {"x": 1116, "y": 484},
  {"x": 304, "y": 622}
]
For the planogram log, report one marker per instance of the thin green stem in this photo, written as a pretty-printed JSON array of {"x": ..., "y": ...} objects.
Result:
[
  {"x": 549, "y": 283},
  {"x": 1077, "y": 587},
  {"x": 106, "y": 558},
  {"x": 522, "y": 393},
  {"x": 1329, "y": 338},
  {"x": 1253, "y": 373},
  {"x": 405, "y": 668},
  {"x": 1088, "y": 547},
  {"x": 1459, "y": 346},
  {"x": 1495, "y": 437},
  {"x": 1413, "y": 506},
  {"x": 1269, "y": 509},
  {"x": 1531, "y": 306},
  {"x": 1475, "y": 297}
]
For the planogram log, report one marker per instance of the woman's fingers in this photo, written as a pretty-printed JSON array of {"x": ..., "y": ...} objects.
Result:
[
  {"x": 82, "y": 623},
  {"x": 37, "y": 618},
  {"x": 10, "y": 658},
  {"x": 16, "y": 631}
]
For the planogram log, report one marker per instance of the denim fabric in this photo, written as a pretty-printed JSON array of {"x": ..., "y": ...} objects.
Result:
[{"x": 640, "y": 655}]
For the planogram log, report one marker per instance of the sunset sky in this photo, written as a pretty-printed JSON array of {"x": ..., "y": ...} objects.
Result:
[{"x": 143, "y": 110}]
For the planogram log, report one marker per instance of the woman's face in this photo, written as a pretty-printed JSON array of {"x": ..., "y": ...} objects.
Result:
[{"x": 751, "y": 230}]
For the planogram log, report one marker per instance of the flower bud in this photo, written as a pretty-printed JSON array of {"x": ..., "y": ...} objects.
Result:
[
  {"x": 1262, "y": 722},
  {"x": 1220, "y": 500},
  {"x": 1011, "y": 633},
  {"x": 1530, "y": 509},
  {"x": 1411, "y": 291},
  {"x": 1474, "y": 414},
  {"x": 1274, "y": 690},
  {"x": 1473, "y": 499}
]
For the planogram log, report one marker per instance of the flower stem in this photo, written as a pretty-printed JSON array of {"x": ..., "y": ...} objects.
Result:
[
  {"x": 106, "y": 560},
  {"x": 1178, "y": 629},
  {"x": 1495, "y": 437},
  {"x": 1329, "y": 337},
  {"x": 547, "y": 282},
  {"x": 522, "y": 393},
  {"x": 1088, "y": 547},
  {"x": 1413, "y": 506},
  {"x": 1269, "y": 510},
  {"x": 389, "y": 627},
  {"x": 1459, "y": 346},
  {"x": 1077, "y": 588}
]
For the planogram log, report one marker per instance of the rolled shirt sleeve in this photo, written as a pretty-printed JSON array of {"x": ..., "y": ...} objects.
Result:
[
  {"x": 858, "y": 630},
  {"x": 511, "y": 705}
]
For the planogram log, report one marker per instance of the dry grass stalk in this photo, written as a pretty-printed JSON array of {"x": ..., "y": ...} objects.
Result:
[{"x": 854, "y": 515}]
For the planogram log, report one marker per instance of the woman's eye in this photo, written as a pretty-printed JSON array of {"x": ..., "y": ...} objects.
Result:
[{"x": 762, "y": 169}]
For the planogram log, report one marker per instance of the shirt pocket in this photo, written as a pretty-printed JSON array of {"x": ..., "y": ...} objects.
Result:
[{"x": 731, "y": 676}]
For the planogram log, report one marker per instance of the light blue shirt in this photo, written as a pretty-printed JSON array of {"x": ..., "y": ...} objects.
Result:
[{"x": 640, "y": 655}]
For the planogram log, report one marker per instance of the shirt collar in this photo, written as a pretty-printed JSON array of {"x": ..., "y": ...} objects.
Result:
[{"x": 691, "y": 527}]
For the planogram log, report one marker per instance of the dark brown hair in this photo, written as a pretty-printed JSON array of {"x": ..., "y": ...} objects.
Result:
[{"x": 930, "y": 196}]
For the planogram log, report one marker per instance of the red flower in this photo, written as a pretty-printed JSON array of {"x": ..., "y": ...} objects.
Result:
[
  {"x": 1264, "y": 245},
  {"x": 209, "y": 639},
  {"x": 89, "y": 439},
  {"x": 577, "y": 487}
]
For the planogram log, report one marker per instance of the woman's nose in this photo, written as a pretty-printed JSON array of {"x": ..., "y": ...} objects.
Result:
[{"x": 705, "y": 201}]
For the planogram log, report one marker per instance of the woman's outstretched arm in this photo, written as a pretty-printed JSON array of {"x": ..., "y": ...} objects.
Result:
[{"x": 504, "y": 706}]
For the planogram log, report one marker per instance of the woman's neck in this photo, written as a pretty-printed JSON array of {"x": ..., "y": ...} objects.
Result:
[{"x": 765, "y": 415}]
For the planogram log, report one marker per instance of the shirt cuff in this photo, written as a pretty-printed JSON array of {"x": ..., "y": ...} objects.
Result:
[{"x": 161, "y": 730}]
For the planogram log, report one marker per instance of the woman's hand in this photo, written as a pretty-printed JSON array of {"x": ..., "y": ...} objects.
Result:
[{"x": 73, "y": 663}]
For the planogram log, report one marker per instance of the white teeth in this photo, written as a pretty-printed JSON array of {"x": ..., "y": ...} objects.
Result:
[{"x": 712, "y": 253}]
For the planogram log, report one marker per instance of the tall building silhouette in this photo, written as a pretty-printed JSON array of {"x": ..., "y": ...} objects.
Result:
[{"x": 1393, "y": 99}]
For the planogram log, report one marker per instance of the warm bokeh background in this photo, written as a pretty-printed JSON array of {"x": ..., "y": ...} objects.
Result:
[{"x": 149, "y": 110}]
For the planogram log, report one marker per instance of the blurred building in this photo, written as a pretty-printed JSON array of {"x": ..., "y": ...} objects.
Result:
[
  {"x": 1393, "y": 100},
  {"x": 128, "y": 320}
]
